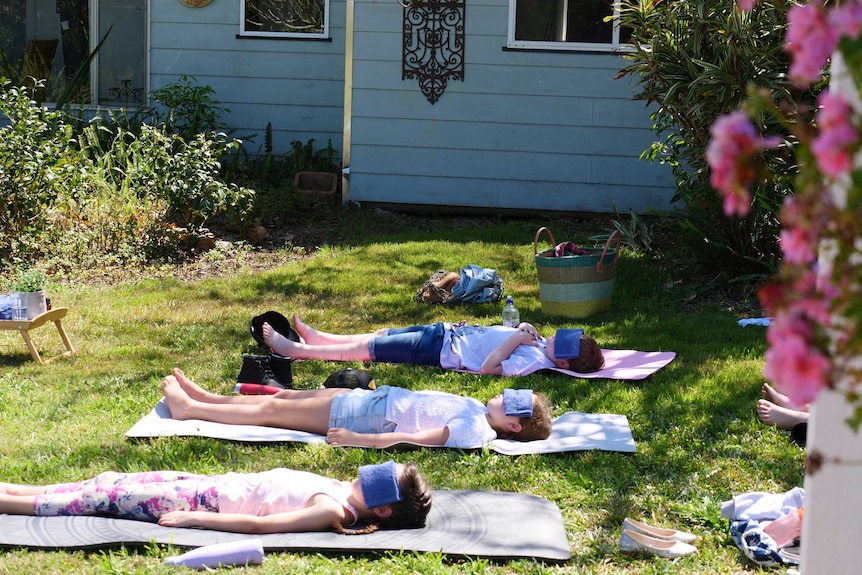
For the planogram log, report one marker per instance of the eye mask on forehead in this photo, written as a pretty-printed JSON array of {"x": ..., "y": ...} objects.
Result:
[
  {"x": 518, "y": 402},
  {"x": 567, "y": 343},
  {"x": 379, "y": 484}
]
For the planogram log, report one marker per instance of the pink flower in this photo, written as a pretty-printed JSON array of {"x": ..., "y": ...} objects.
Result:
[
  {"x": 845, "y": 19},
  {"x": 746, "y": 5},
  {"x": 796, "y": 246},
  {"x": 734, "y": 142},
  {"x": 810, "y": 40},
  {"x": 796, "y": 370},
  {"x": 831, "y": 147},
  {"x": 793, "y": 363}
]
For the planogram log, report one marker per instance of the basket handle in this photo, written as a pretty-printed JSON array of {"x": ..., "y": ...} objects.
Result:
[
  {"x": 600, "y": 265},
  {"x": 536, "y": 240}
]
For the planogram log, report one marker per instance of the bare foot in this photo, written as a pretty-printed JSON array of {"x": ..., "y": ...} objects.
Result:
[
  {"x": 277, "y": 342},
  {"x": 305, "y": 331},
  {"x": 771, "y": 394},
  {"x": 780, "y": 417},
  {"x": 179, "y": 403},
  {"x": 193, "y": 390}
]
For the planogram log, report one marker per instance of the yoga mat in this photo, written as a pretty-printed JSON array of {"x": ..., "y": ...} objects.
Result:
[
  {"x": 572, "y": 431},
  {"x": 620, "y": 364},
  {"x": 490, "y": 524},
  {"x": 626, "y": 364}
]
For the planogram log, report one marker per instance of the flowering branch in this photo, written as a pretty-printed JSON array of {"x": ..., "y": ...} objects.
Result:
[{"x": 814, "y": 340}]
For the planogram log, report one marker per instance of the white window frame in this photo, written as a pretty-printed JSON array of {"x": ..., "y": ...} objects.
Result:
[
  {"x": 613, "y": 46},
  {"x": 243, "y": 33}
]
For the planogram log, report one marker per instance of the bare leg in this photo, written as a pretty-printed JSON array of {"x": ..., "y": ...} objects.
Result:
[
  {"x": 349, "y": 351},
  {"x": 21, "y": 489},
  {"x": 781, "y": 417},
  {"x": 308, "y": 413},
  {"x": 312, "y": 336},
  {"x": 17, "y": 504},
  {"x": 197, "y": 393}
]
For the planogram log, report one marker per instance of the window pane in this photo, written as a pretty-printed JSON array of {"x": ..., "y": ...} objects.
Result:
[
  {"x": 585, "y": 22},
  {"x": 13, "y": 37},
  {"x": 51, "y": 39},
  {"x": 285, "y": 16},
  {"x": 564, "y": 21},
  {"x": 122, "y": 64}
]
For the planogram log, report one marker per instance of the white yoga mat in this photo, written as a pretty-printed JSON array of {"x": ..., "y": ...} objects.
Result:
[{"x": 572, "y": 431}]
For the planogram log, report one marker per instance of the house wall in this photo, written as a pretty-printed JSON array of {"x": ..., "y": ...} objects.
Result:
[
  {"x": 524, "y": 130},
  {"x": 296, "y": 84}
]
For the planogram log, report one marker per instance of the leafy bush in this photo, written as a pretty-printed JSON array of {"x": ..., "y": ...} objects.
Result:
[
  {"x": 696, "y": 61},
  {"x": 185, "y": 178},
  {"x": 33, "y": 156},
  {"x": 108, "y": 189},
  {"x": 184, "y": 108}
]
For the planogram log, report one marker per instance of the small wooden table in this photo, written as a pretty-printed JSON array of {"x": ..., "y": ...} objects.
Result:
[{"x": 24, "y": 325}]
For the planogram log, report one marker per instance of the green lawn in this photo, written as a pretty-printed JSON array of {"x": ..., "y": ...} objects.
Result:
[{"x": 698, "y": 440}]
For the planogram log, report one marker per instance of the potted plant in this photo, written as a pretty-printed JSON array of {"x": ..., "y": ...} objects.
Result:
[{"x": 28, "y": 288}]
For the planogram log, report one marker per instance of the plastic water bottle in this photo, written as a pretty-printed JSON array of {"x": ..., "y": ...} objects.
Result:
[{"x": 511, "y": 317}]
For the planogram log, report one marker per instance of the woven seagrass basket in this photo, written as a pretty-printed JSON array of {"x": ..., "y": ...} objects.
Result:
[{"x": 576, "y": 286}]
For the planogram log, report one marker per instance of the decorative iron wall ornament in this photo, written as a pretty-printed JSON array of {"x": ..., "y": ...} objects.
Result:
[{"x": 433, "y": 44}]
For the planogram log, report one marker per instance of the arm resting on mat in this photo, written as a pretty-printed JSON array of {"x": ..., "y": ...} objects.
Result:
[
  {"x": 321, "y": 515},
  {"x": 429, "y": 437}
]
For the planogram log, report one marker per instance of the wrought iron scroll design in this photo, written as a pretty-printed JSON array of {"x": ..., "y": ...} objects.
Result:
[{"x": 433, "y": 44}]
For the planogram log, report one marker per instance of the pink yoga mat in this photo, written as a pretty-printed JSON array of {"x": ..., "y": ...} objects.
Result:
[{"x": 627, "y": 364}]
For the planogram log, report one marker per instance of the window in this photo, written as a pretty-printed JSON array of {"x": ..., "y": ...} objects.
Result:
[
  {"x": 285, "y": 18},
  {"x": 565, "y": 25},
  {"x": 51, "y": 39}
]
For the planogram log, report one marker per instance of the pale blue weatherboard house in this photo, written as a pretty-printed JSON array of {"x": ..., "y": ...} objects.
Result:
[{"x": 536, "y": 120}]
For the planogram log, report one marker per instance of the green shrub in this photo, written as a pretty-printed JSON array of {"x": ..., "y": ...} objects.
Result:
[
  {"x": 110, "y": 191},
  {"x": 184, "y": 108},
  {"x": 33, "y": 158},
  {"x": 695, "y": 61},
  {"x": 184, "y": 175}
]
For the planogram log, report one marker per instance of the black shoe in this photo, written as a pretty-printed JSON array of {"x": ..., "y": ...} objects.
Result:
[
  {"x": 257, "y": 369},
  {"x": 278, "y": 322},
  {"x": 281, "y": 367},
  {"x": 351, "y": 379}
]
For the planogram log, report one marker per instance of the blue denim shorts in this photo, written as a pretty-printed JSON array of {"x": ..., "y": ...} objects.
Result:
[
  {"x": 361, "y": 410},
  {"x": 416, "y": 345}
]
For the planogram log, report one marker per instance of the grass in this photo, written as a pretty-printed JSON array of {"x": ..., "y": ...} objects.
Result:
[{"x": 698, "y": 439}]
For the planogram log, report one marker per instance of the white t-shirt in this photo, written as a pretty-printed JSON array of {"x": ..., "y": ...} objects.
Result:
[
  {"x": 278, "y": 491},
  {"x": 466, "y": 418},
  {"x": 466, "y": 347}
]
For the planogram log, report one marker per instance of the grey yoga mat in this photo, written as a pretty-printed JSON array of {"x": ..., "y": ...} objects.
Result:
[{"x": 488, "y": 524}]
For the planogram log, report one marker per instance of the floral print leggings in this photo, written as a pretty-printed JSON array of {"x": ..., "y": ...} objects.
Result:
[{"x": 142, "y": 496}]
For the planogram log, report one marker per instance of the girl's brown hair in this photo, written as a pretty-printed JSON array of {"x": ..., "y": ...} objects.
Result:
[
  {"x": 590, "y": 359},
  {"x": 410, "y": 512}
]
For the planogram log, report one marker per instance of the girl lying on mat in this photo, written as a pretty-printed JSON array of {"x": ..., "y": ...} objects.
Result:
[
  {"x": 497, "y": 349},
  {"x": 387, "y": 495},
  {"x": 370, "y": 418}
]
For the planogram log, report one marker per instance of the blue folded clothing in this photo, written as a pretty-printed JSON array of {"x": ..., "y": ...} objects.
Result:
[
  {"x": 765, "y": 321},
  {"x": 5, "y": 306}
]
